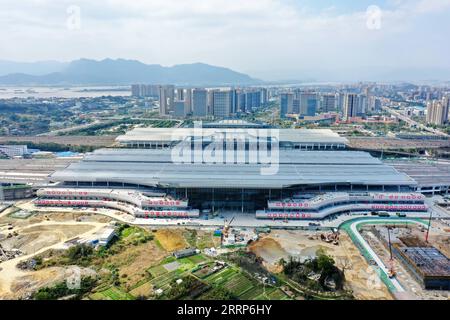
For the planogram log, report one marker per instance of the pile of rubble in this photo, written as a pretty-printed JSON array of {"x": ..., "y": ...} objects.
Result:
[
  {"x": 331, "y": 237},
  {"x": 9, "y": 254}
]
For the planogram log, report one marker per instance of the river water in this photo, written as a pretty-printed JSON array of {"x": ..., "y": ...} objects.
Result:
[{"x": 62, "y": 92}]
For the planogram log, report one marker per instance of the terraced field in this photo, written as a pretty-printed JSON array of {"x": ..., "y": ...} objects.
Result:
[
  {"x": 241, "y": 286},
  {"x": 112, "y": 293},
  {"x": 238, "y": 284},
  {"x": 163, "y": 281}
]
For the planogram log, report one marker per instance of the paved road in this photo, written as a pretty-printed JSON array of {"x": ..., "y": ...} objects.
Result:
[
  {"x": 414, "y": 123},
  {"x": 247, "y": 220},
  {"x": 78, "y": 127}
]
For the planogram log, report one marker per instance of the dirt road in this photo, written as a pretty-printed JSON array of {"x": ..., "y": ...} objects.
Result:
[{"x": 9, "y": 273}]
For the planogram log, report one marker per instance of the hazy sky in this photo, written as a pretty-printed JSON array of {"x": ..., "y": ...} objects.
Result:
[{"x": 269, "y": 39}]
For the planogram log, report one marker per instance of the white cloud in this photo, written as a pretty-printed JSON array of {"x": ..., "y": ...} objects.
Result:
[{"x": 257, "y": 36}]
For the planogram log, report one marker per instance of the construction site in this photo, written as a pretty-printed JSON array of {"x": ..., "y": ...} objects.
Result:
[
  {"x": 303, "y": 245},
  {"x": 25, "y": 234},
  {"x": 235, "y": 236},
  {"x": 415, "y": 257}
]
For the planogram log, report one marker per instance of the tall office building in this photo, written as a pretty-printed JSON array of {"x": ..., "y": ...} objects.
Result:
[
  {"x": 180, "y": 94},
  {"x": 308, "y": 104},
  {"x": 377, "y": 105},
  {"x": 144, "y": 90},
  {"x": 286, "y": 104},
  {"x": 136, "y": 90},
  {"x": 350, "y": 105},
  {"x": 179, "y": 109},
  {"x": 166, "y": 99},
  {"x": 362, "y": 105},
  {"x": 296, "y": 101},
  {"x": 223, "y": 103},
  {"x": 296, "y": 105},
  {"x": 252, "y": 100},
  {"x": 264, "y": 96},
  {"x": 340, "y": 102},
  {"x": 188, "y": 101},
  {"x": 328, "y": 102},
  {"x": 437, "y": 111},
  {"x": 199, "y": 102},
  {"x": 240, "y": 101}
]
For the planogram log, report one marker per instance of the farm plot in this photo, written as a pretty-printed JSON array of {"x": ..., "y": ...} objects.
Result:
[
  {"x": 157, "y": 271},
  {"x": 252, "y": 294},
  {"x": 238, "y": 284},
  {"x": 221, "y": 277},
  {"x": 144, "y": 289},
  {"x": 277, "y": 294},
  {"x": 272, "y": 294},
  {"x": 198, "y": 258},
  {"x": 164, "y": 280},
  {"x": 112, "y": 293}
]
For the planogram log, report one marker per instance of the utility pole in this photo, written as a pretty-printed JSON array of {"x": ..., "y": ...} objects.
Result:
[
  {"x": 389, "y": 239},
  {"x": 429, "y": 225}
]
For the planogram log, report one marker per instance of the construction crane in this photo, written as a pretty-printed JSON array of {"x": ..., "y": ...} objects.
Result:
[
  {"x": 392, "y": 272},
  {"x": 429, "y": 225},
  {"x": 226, "y": 226}
]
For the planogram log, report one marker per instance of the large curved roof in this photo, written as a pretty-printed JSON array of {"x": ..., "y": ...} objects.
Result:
[{"x": 155, "y": 168}]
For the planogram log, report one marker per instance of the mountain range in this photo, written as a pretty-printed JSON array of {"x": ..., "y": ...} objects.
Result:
[{"x": 117, "y": 72}]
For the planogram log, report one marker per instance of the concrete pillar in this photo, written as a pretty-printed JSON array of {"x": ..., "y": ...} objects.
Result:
[{"x": 242, "y": 200}]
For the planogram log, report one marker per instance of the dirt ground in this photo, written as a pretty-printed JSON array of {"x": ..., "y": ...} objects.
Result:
[
  {"x": 440, "y": 237},
  {"x": 51, "y": 216},
  {"x": 32, "y": 239},
  {"x": 171, "y": 239},
  {"x": 26, "y": 285},
  {"x": 134, "y": 262},
  {"x": 304, "y": 244},
  {"x": 271, "y": 252},
  {"x": 35, "y": 235}
]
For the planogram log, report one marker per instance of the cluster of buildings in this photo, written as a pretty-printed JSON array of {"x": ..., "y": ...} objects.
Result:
[
  {"x": 438, "y": 110},
  {"x": 102, "y": 238},
  {"x": 11, "y": 151},
  {"x": 203, "y": 102},
  {"x": 310, "y": 175},
  {"x": 308, "y": 103}
]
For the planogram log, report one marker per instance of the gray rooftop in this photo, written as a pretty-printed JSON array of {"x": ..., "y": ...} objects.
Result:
[
  {"x": 155, "y": 168},
  {"x": 426, "y": 173},
  {"x": 325, "y": 136}
]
